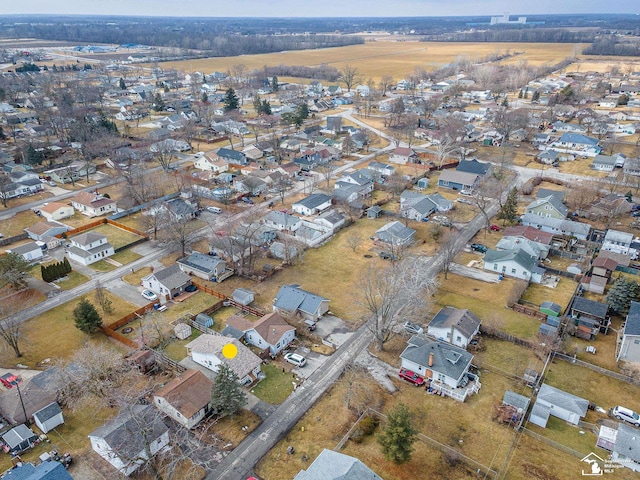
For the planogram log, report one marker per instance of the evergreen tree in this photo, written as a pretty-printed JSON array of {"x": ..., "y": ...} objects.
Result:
[
  {"x": 257, "y": 104},
  {"x": 231, "y": 100},
  {"x": 158, "y": 103},
  {"x": 67, "y": 265},
  {"x": 509, "y": 211},
  {"x": 274, "y": 84},
  {"x": 86, "y": 317},
  {"x": 536, "y": 96},
  {"x": 2, "y": 135},
  {"x": 123, "y": 86},
  {"x": 621, "y": 294},
  {"x": 227, "y": 396},
  {"x": 44, "y": 274},
  {"x": 398, "y": 435},
  {"x": 265, "y": 107}
]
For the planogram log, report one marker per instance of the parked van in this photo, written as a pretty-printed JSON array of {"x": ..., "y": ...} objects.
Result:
[{"x": 214, "y": 209}]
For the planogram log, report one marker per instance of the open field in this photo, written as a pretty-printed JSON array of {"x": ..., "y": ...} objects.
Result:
[
  {"x": 54, "y": 334},
  {"x": 383, "y": 57}
]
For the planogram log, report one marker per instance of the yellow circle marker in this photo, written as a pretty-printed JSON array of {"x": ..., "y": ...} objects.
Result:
[{"x": 229, "y": 350}]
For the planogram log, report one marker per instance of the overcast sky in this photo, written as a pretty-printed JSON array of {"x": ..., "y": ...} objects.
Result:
[{"x": 315, "y": 8}]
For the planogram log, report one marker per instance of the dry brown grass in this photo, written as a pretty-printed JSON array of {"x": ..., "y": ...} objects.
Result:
[
  {"x": 378, "y": 58},
  {"x": 561, "y": 295}
]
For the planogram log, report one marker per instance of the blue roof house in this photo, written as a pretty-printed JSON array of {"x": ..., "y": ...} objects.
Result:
[{"x": 291, "y": 300}]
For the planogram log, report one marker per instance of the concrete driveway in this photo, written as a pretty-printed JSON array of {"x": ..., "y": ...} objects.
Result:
[
  {"x": 333, "y": 329},
  {"x": 314, "y": 361},
  {"x": 475, "y": 273}
]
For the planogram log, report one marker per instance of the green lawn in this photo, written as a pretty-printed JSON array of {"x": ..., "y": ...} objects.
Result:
[
  {"x": 72, "y": 280},
  {"x": 276, "y": 387},
  {"x": 103, "y": 266}
]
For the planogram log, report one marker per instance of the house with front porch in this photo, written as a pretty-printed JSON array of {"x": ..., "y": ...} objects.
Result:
[
  {"x": 93, "y": 204},
  {"x": 515, "y": 263},
  {"x": 444, "y": 366},
  {"x": 206, "y": 350}
]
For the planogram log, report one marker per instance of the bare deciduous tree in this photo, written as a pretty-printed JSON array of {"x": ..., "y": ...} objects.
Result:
[
  {"x": 102, "y": 299},
  {"x": 350, "y": 76}
]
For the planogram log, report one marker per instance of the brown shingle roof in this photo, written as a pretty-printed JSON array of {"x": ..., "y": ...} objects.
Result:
[
  {"x": 270, "y": 327},
  {"x": 188, "y": 394},
  {"x": 91, "y": 200},
  {"x": 53, "y": 207}
]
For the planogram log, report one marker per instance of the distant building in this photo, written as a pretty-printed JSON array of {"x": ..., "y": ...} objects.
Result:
[{"x": 506, "y": 19}]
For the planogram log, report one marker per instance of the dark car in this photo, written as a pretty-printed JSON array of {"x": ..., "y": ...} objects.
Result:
[
  {"x": 635, "y": 207},
  {"x": 411, "y": 377},
  {"x": 478, "y": 247},
  {"x": 247, "y": 200},
  {"x": 635, "y": 213},
  {"x": 190, "y": 288},
  {"x": 9, "y": 380},
  {"x": 387, "y": 256}
]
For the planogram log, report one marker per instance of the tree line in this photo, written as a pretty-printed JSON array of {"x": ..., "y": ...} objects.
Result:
[
  {"x": 537, "y": 35},
  {"x": 610, "y": 45},
  {"x": 322, "y": 72}
]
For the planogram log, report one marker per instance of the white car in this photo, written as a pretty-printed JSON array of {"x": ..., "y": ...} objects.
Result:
[
  {"x": 216, "y": 210},
  {"x": 149, "y": 295},
  {"x": 627, "y": 415},
  {"x": 295, "y": 359},
  {"x": 413, "y": 328}
]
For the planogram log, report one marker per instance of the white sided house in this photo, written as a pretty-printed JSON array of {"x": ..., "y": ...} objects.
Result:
[
  {"x": 271, "y": 331},
  {"x": 560, "y": 404},
  {"x": 89, "y": 247},
  {"x": 314, "y": 203},
  {"x": 53, "y": 211},
  {"x": 127, "y": 440},
  {"x": 93, "y": 204},
  {"x": 186, "y": 399},
  {"x": 515, "y": 263},
  {"x": 168, "y": 282},
  {"x": 31, "y": 251},
  {"x": 454, "y": 325}
]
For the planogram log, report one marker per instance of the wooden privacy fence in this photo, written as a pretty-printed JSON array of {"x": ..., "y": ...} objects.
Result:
[
  {"x": 532, "y": 312},
  {"x": 131, "y": 316},
  {"x": 99, "y": 222},
  {"x": 226, "y": 301},
  {"x": 210, "y": 291},
  {"x": 118, "y": 336}
]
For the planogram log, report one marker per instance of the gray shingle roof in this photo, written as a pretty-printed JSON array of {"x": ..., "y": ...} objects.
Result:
[
  {"x": 552, "y": 200},
  {"x": 291, "y": 298},
  {"x": 87, "y": 238},
  {"x": 584, "y": 305},
  {"x": 395, "y": 232},
  {"x": 447, "y": 358},
  {"x": 561, "y": 224},
  {"x": 632, "y": 325},
  {"x": 515, "y": 400},
  {"x": 124, "y": 432},
  {"x": 563, "y": 399},
  {"x": 628, "y": 442},
  {"x": 464, "y": 320},
  {"x": 330, "y": 465},
  {"x": 201, "y": 262},
  {"x": 473, "y": 166},
  {"x": 314, "y": 200},
  {"x": 518, "y": 255},
  {"x": 172, "y": 277},
  {"x": 48, "y": 412}
]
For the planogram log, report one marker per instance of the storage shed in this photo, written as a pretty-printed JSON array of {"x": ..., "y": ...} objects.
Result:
[
  {"x": 243, "y": 296},
  {"x": 182, "y": 331},
  {"x": 550, "y": 308},
  {"x": 19, "y": 439},
  {"x": 49, "y": 417},
  {"x": 204, "y": 320}
]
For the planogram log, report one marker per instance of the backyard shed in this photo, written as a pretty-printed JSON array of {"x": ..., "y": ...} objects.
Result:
[
  {"x": 516, "y": 400},
  {"x": 19, "y": 439},
  {"x": 204, "y": 320},
  {"x": 143, "y": 360},
  {"x": 182, "y": 331},
  {"x": 423, "y": 183},
  {"x": 550, "y": 308},
  {"x": 243, "y": 296},
  {"x": 49, "y": 417},
  {"x": 548, "y": 330}
]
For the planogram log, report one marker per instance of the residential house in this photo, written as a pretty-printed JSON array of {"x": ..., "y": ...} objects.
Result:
[
  {"x": 288, "y": 252},
  {"x": 46, "y": 232},
  {"x": 474, "y": 166},
  {"x": 205, "y": 267},
  {"x": 403, "y": 155},
  {"x": 37, "y": 393},
  {"x": 606, "y": 163},
  {"x": 291, "y": 300},
  {"x": 529, "y": 233},
  {"x": 179, "y": 209},
  {"x": 31, "y": 251},
  {"x": 443, "y": 205},
  {"x": 464, "y": 182},
  {"x": 550, "y": 206},
  {"x": 632, "y": 167},
  {"x": 619, "y": 242},
  {"x": 71, "y": 173},
  {"x": 630, "y": 346},
  {"x": 382, "y": 168},
  {"x": 557, "y": 226},
  {"x": 454, "y": 325},
  {"x": 93, "y": 204},
  {"x": 602, "y": 268},
  {"x": 168, "y": 282},
  {"x": 48, "y": 470},
  {"x": 211, "y": 163},
  {"x": 49, "y": 417},
  {"x": 514, "y": 263},
  {"x": 533, "y": 249},
  {"x": 330, "y": 465},
  {"x": 128, "y": 440},
  {"x": 443, "y": 365},
  {"x": 560, "y": 404},
  {"x": 186, "y": 398},
  {"x": 331, "y": 220},
  {"x": 56, "y": 211},
  {"x": 314, "y": 203},
  {"x": 232, "y": 156},
  {"x": 578, "y": 144},
  {"x": 548, "y": 157},
  {"x": 206, "y": 350},
  {"x": 589, "y": 316},
  {"x": 626, "y": 450},
  {"x": 395, "y": 233},
  {"x": 608, "y": 207},
  {"x": 282, "y": 221},
  {"x": 270, "y": 332},
  {"x": 356, "y": 178},
  {"x": 89, "y": 247},
  {"x": 416, "y": 206}
]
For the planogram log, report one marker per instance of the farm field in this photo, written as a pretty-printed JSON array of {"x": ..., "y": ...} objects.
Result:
[{"x": 383, "y": 57}]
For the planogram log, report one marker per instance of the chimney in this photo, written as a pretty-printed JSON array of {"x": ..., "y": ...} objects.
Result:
[{"x": 431, "y": 359}]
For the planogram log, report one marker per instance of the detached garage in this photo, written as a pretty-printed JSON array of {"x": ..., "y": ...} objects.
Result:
[{"x": 560, "y": 404}]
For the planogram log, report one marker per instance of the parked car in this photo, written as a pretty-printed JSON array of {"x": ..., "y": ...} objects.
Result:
[
  {"x": 494, "y": 228},
  {"x": 9, "y": 380},
  {"x": 635, "y": 213},
  {"x": 411, "y": 377},
  {"x": 190, "y": 288},
  {"x": 149, "y": 295},
  {"x": 635, "y": 207},
  {"x": 464, "y": 200},
  {"x": 387, "y": 256},
  {"x": 413, "y": 328},
  {"x": 295, "y": 359},
  {"x": 627, "y": 415},
  {"x": 478, "y": 247},
  {"x": 214, "y": 209},
  {"x": 247, "y": 200}
]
